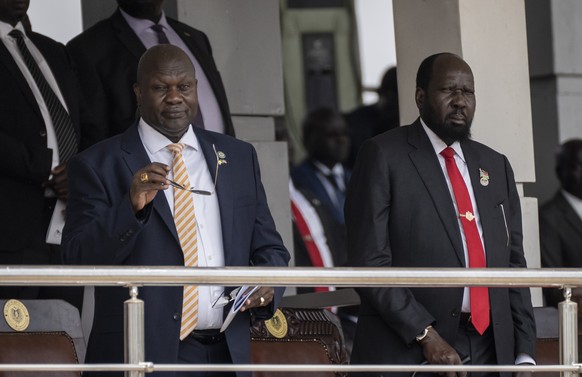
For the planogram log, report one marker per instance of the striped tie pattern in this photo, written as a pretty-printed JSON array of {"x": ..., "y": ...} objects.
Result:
[
  {"x": 186, "y": 225},
  {"x": 64, "y": 129}
]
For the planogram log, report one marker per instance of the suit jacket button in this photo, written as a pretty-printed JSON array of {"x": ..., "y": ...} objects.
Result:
[
  {"x": 42, "y": 133},
  {"x": 455, "y": 313},
  {"x": 177, "y": 317}
]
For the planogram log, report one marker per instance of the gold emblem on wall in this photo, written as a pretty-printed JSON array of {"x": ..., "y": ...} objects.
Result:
[
  {"x": 16, "y": 315},
  {"x": 277, "y": 326}
]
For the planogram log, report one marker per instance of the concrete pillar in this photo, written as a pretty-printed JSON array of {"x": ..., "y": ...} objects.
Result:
[
  {"x": 491, "y": 37},
  {"x": 246, "y": 44},
  {"x": 555, "y": 61}
]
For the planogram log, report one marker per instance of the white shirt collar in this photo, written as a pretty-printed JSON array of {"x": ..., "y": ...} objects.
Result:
[
  {"x": 574, "y": 201},
  {"x": 440, "y": 145},
  {"x": 337, "y": 170},
  {"x": 154, "y": 141},
  {"x": 6, "y": 28},
  {"x": 141, "y": 24}
]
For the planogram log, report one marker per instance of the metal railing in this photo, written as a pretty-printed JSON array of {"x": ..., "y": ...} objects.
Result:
[{"x": 135, "y": 277}]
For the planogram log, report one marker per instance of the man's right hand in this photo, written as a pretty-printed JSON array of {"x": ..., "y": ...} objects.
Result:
[
  {"x": 146, "y": 183},
  {"x": 437, "y": 351}
]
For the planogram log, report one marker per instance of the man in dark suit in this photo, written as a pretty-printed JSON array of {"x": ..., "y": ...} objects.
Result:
[
  {"x": 107, "y": 55},
  {"x": 561, "y": 218},
  {"x": 40, "y": 96},
  {"x": 405, "y": 208},
  {"x": 121, "y": 212},
  {"x": 325, "y": 136}
]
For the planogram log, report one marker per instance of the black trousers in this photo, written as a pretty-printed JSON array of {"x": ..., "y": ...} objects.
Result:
[
  {"x": 195, "y": 352},
  {"x": 479, "y": 348}
]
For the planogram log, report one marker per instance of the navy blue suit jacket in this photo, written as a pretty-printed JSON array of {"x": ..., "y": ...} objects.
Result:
[
  {"x": 102, "y": 229},
  {"x": 305, "y": 177}
]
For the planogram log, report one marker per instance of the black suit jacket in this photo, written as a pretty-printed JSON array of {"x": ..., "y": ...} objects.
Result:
[
  {"x": 107, "y": 55},
  {"x": 400, "y": 213},
  {"x": 27, "y": 160},
  {"x": 560, "y": 239},
  {"x": 102, "y": 229}
]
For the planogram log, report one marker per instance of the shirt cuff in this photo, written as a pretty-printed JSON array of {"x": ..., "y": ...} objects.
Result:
[{"x": 524, "y": 358}]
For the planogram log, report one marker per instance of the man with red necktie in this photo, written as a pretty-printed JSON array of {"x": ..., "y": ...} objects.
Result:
[{"x": 426, "y": 195}]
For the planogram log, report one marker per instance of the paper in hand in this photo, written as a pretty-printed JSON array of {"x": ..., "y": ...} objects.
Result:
[{"x": 239, "y": 301}]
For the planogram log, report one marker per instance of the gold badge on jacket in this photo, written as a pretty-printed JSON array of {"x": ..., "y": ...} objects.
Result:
[
  {"x": 16, "y": 315},
  {"x": 277, "y": 326},
  {"x": 483, "y": 177}
]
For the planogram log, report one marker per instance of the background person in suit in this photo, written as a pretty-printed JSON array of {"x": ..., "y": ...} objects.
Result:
[
  {"x": 121, "y": 213},
  {"x": 367, "y": 121},
  {"x": 107, "y": 55},
  {"x": 325, "y": 136},
  {"x": 403, "y": 210},
  {"x": 561, "y": 218},
  {"x": 40, "y": 97}
]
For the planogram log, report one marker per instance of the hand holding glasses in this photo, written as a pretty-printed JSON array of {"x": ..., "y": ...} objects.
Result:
[{"x": 198, "y": 191}]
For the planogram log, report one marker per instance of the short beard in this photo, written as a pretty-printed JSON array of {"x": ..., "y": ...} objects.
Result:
[{"x": 450, "y": 133}]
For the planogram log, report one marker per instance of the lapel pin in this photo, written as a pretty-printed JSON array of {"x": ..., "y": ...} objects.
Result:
[
  {"x": 221, "y": 157},
  {"x": 483, "y": 177}
]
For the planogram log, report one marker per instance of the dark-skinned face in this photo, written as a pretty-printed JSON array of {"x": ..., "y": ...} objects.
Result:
[
  {"x": 330, "y": 143},
  {"x": 145, "y": 9},
  {"x": 12, "y": 11},
  {"x": 167, "y": 97},
  {"x": 448, "y": 104}
]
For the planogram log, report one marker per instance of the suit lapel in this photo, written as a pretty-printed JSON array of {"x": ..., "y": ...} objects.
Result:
[
  {"x": 487, "y": 206},
  {"x": 429, "y": 170},
  {"x": 126, "y": 35},
  {"x": 136, "y": 158},
  {"x": 8, "y": 62},
  {"x": 224, "y": 187}
]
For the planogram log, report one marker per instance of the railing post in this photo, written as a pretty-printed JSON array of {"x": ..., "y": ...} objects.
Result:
[
  {"x": 568, "y": 331},
  {"x": 133, "y": 322}
]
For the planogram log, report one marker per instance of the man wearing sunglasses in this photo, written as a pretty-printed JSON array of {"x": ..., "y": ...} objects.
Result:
[{"x": 167, "y": 193}]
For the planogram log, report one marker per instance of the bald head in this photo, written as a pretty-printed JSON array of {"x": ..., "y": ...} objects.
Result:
[
  {"x": 163, "y": 56},
  {"x": 166, "y": 90}
]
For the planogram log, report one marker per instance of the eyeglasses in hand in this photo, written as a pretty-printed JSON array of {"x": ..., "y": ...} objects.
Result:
[
  {"x": 224, "y": 300},
  {"x": 198, "y": 191}
]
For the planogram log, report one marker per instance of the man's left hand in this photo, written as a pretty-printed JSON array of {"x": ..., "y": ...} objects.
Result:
[
  {"x": 59, "y": 182},
  {"x": 260, "y": 298}
]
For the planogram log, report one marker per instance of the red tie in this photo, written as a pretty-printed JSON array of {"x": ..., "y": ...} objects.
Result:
[{"x": 479, "y": 295}]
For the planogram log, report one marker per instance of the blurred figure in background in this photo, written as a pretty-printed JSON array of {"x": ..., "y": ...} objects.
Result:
[
  {"x": 108, "y": 52},
  {"x": 561, "y": 218},
  {"x": 317, "y": 201},
  {"x": 370, "y": 120}
]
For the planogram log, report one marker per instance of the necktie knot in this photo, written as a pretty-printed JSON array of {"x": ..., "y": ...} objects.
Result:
[
  {"x": 162, "y": 37},
  {"x": 16, "y": 34},
  {"x": 448, "y": 152},
  {"x": 175, "y": 148}
]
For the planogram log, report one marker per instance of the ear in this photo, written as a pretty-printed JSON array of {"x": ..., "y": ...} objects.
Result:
[
  {"x": 137, "y": 91},
  {"x": 419, "y": 98}
]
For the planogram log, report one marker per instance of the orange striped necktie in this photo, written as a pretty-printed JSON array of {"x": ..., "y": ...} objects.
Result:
[{"x": 185, "y": 220}]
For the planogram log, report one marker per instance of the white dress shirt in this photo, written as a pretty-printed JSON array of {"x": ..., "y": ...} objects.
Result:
[
  {"x": 575, "y": 202},
  {"x": 439, "y": 146},
  {"x": 207, "y": 101},
  {"x": 206, "y": 209},
  {"x": 337, "y": 173}
]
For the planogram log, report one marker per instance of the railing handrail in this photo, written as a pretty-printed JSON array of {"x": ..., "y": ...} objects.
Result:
[
  {"x": 134, "y": 277},
  {"x": 290, "y": 276}
]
